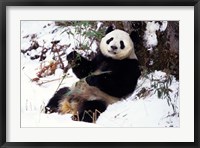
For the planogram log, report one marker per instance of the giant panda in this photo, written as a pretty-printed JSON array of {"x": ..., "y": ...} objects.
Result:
[{"x": 111, "y": 76}]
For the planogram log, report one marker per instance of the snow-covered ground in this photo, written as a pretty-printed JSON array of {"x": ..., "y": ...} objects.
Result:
[{"x": 144, "y": 108}]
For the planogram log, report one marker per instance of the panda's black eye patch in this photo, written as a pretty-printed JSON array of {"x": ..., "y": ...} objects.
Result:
[
  {"x": 122, "y": 46},
  {"x": 108, "y": 41}
]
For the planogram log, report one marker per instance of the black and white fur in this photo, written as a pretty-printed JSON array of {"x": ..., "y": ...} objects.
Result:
[{"x": 109, "y": 77}]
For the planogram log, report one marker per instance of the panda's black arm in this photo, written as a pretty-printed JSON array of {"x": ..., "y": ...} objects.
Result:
[
  {"x": 117, "y": 87},
  {"x": 102, "y": 81},
  {"x": 80, "y": 65},
  {"x": 109, "y": 84},
  {"x": 120, "y": 82}
]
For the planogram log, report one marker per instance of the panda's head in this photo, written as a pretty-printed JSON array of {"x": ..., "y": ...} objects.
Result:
[{"x": 117, "y": 44}]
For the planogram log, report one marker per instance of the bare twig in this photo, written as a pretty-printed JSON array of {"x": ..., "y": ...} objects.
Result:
[
  {"x": 63, "y": 77},
  {"x": 44, "y": 82}
]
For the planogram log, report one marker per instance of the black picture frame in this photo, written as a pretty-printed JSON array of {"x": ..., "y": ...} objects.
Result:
[{"x": 5, "y": 3}]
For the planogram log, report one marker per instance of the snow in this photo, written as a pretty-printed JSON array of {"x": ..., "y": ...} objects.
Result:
[
  {"x": 150, "y": 36},
  {"x": 163, "y": 26},
  {"x": 99, "y": 24},
  {"x": 148, "y": 111},
  {"x": 138, "y": 110}
]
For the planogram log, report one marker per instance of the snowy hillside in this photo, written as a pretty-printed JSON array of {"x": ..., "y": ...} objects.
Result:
[{"x": 41, "y": 76}]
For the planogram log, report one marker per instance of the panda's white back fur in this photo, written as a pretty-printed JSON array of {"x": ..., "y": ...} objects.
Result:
[{"x": 118, "y": 35}]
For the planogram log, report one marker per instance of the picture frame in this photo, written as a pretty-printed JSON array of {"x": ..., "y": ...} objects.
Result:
[{"x": 3, "y": 75}]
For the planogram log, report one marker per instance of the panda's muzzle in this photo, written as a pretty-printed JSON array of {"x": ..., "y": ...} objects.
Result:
[
  {"x": 113, "y": 52},
  {"x": 113, "y": 47}
]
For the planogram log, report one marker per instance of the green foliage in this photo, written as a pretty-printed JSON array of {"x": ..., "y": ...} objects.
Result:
[
  {"x": 84, "y": 34},
  {"x": 161, "y": 87}
]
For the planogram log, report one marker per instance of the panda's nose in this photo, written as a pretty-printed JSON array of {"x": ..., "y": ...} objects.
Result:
[{"x": 113, "y": 47}]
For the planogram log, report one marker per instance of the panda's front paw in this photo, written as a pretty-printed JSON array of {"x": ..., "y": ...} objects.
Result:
[{"x": 72, "y": 56}]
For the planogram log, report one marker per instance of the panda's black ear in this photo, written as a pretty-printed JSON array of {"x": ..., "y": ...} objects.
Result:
[
  {"x": 135, "y": 37},
  {"x": 109, "y": 29}
]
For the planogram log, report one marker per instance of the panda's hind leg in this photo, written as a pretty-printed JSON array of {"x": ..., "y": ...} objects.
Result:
[
  {"x": 89, "y": 110},
  {"x": 53, "y": 104},
  {"x": 81, "y": 108}
]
